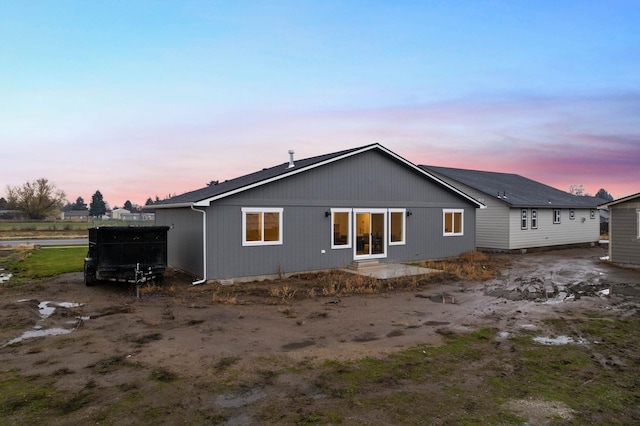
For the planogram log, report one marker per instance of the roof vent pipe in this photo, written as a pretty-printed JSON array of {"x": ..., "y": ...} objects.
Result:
[{"x": 291, "y": 164}]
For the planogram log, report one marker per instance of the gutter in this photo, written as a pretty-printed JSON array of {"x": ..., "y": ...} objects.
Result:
[{"x": 204, "y": 246}]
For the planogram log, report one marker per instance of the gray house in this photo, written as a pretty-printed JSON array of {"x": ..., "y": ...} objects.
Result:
[
  {"x": 318, "y": 213},
  {"x": 522, "y": 213},
  {"x": 624, "y": 230}
]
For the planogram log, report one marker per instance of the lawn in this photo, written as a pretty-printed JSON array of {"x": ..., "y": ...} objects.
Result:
[{"x": 48, "y": 261}]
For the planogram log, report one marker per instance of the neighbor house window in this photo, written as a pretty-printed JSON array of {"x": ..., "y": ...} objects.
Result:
[
  {"x": 340, "y": 228},
  {"x": 523, "y": 219},
  {"x": 397, "y": 226},
  {"x": 534, "y": 218},
  {"x": 593, "y": 213},
  {"x": 261, "y": 226},
  {"x": 452, "y": 222},
  {"x": 556, "y": 216},
  {"x": 572, "y": 214}
]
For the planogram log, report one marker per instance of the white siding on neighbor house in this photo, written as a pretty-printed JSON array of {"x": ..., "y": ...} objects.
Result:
[
  {"x": 568, "y": 231},
  {"x": 491, "y": 231}
]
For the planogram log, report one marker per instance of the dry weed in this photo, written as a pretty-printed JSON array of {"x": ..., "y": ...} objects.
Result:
[{"x": 473, "y": 265}]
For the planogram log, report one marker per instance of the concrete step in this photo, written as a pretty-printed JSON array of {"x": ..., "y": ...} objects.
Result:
[{"x": 366, "y": 265}]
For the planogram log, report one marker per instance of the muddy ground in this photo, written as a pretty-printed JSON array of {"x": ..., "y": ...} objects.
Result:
[{"x": 170, "y": 356}]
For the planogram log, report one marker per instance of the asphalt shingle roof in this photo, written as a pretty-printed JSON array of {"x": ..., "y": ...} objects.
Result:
[
  {"x": 251, "y": 179},
  {"x": 515, "y": 190}
]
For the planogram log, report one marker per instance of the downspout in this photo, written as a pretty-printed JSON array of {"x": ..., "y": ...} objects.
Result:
[{"x": 204, "y": 246}]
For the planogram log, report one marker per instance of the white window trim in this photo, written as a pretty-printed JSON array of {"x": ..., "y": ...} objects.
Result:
[
  {"x": 559, "y": 216},
  {"x": 593, "y": 213},
  {"x": 452, "y": 234},
  {"x": 262, "y": 210},
  {"x": 534, "y": 218},
  {"x": 404, "y": 227},
  {"x": 350, "y": 229},
  {"x": 572, "y": 214},
  {"x": 523, "y": 219}
]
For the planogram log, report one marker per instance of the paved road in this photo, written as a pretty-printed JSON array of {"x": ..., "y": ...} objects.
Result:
[{"x": 72, "y": 241}]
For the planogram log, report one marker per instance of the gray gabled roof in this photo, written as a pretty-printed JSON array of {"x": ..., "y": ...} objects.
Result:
[
  {"x": 515, "y": 190},
  {"x": 204, "y": 196}
]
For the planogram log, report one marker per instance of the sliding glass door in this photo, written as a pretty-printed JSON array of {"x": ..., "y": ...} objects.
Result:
[{"x": 370, "y": 227}]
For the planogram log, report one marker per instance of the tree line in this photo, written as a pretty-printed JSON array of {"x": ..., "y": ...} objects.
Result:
[{"x": 40, "y": 199}]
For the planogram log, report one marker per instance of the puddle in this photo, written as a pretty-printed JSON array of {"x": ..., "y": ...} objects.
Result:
[
  {"x": 5, "y": 276},
  {"x": 240, "y": 400},
  {"x": 437, "y": 323},
  {"x": 46, "y": 309},
  {"x": 298, "y": 345},
  {"x": 30, "y": 334},
  {"x": 365, "y": 337},
  {"x": 443, "y": 298},
  {"x": 559, "y": 340}
]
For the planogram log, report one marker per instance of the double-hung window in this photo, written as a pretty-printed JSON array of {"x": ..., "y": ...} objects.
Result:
[
  {"x": 341, "y": 229},
  {"x": 534, "y": 218},
  {"x": 261, "y": 226},
  {"x": 523, "y": 219},
  {"x": 556, "y": 216},
  {"x": 572, "y": 214},
  {"x": 452, "y": 222},
  {"x": 397, "y": 226}
]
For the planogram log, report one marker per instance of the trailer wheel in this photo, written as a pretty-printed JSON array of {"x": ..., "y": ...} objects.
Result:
[{"x": 89, "y": 276}]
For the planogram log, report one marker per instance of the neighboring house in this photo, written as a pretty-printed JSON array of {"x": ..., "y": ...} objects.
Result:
[
  {"x": 79, "y": 215},
  {"x": 135, "y": 217},
  {"x": 522, "y": 213},
  {"x": 624, "y": 230},
  {"x": 319, "y": 213},
  {"x": 119, "y": 213}
]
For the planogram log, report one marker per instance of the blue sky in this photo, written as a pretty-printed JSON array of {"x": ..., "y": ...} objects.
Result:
[{"x": 138, "y": 99}]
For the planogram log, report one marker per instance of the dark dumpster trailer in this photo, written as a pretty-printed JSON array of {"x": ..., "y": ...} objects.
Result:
[{"x": 126, "y": 253}]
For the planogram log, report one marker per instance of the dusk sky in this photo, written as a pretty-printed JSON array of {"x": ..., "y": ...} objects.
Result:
[{"x": 145, "y": 98}]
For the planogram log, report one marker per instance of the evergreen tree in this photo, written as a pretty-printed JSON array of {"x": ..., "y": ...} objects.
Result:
[
  {"x": 97, "y": 207},
  {"x": 128, "y": 206},
  {"x": 79, "y": 204},
  {"x": 602, "y": 193}
]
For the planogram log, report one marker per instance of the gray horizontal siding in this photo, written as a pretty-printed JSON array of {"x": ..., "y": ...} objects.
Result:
[
  {"x": 184, "y": 239},
  {"x": 368, "y": 180},
  {"x": 624, "y": 245}
]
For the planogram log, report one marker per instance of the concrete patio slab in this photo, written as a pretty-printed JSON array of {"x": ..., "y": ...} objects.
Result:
[{"x": 385, "y": 271}]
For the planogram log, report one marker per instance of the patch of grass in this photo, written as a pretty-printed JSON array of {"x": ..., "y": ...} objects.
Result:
[
  {"x": 39, "y": 263},
  {"x": 108, "y": 365}
]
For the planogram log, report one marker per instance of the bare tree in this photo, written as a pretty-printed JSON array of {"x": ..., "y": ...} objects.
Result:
[
  {"x": 36, "y": 200},
  {"x": 577, "y": 190}
]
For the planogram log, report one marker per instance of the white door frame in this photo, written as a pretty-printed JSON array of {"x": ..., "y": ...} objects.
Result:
[{"x": 368, "y": 232}]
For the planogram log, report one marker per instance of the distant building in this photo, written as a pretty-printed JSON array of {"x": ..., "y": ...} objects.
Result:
[
  {"x": 119, "y": 213},
  {"x": 78, "y": 215}
]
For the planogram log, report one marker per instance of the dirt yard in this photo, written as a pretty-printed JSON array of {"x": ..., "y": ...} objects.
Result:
[{"x": 270, "y": 354}]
